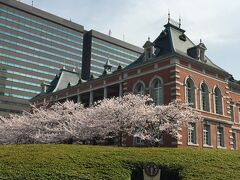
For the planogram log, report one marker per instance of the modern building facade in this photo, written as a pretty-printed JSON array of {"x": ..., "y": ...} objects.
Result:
[
  {"x": 99, "y": 48},
  {"x": 171, "y": 68},
  {"x": 34, "y": 46}
]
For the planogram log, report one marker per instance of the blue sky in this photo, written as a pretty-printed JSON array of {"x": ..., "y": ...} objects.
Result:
[{"x": 216, "y": 22}]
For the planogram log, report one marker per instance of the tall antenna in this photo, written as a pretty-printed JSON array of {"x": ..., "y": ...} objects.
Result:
[
  {"x": 180, "y": 22},
  {"x": 32, "y": 3},
  {"x": 168, "y": 16},
  {"x": 109, "y": 32}
]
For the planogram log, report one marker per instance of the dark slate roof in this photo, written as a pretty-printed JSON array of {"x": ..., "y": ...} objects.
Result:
[
  {"x": 234, "y": 85},
  {"x": 147, "y": 43},
  {"x": 62, "y": 80},
  {"x": 173, "y": 40}
]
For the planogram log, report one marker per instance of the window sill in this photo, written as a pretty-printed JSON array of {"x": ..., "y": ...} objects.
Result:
[
  {"x": 207, "y": 111},
  {"x": 207, "y": 146},
  {"x": 221, "y": 147},
  {"x": 191, "y": 144}
]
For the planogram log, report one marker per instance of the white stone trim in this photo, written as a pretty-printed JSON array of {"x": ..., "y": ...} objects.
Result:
[
  {"x": 219, "y": 120},
  {"x": 207, "y": 146},
  {"x": 178, "y": 65},
  {"x": 137, "y": 82},
  {"x": 191, "y": 144},
  {"x": 175, "y": 76},
  {"x": 220, "y": 147},
  {"x": 149, "y": 72}
]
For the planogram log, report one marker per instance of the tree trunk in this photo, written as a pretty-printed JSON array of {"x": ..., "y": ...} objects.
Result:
[{"x": 120, "y": 139}]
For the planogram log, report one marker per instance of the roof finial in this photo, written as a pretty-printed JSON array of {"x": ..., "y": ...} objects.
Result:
[
  {"x": 180, "y": 22},
  {"x": 200, "y": 40},
  {"x": 168, "y": 16},
  {"x": 148, "y": 38}
]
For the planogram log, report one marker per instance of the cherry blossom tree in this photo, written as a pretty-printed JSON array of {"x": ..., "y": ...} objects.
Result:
[
  {"x": 168, "y": 120},
  {"x": 57, "y": 124},
  {"x": 119, "y": 116},
  {"x": 130, "y": 115}
]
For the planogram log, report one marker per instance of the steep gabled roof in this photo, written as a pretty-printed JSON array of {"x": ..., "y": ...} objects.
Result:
[
  {"x": 173, "y": 40},
  {"x": 63, "y": 80}
]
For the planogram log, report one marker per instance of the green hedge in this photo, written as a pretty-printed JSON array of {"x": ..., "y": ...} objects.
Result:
[{"x": 97, "y": 162}]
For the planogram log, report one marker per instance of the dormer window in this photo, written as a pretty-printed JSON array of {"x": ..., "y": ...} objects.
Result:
[
  {"x": 201, "y": 55},
  {"x": 148, "y": 49},
  {"x": 198, "y": 52},
  {"x": 107, "y": 67},
  {"x": 183, "y": 37},
  {"x": 149, "y": 53}
]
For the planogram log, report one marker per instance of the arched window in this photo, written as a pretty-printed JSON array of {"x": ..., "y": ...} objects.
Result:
[
  {"x": 139, "y": 89},
  {"x": 157, "y": 91},
  {"x": 204, "y": 97},
  {"x": 190, "y": 92},
  {"x": 218, "y": 101}
]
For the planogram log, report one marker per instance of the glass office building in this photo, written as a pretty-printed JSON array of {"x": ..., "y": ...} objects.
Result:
[
  {"x": 34, "y": 45},
  {"x": 98, "y": 48}
]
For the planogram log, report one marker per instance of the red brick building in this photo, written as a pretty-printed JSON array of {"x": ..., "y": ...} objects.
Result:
[{"x": 171, "y": 68}]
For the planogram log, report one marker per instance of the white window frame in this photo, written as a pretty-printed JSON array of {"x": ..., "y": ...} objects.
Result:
[
  {"x": 218, "y": 107},
  {"x": 238, "y": 114},
  {"x": 234, "y": 141},
  {"x": 139, "y": 83},
  {"x": 220, "y": 137},
  {"x": 207, "y": 135},
  {"x": 192, "y": 134},
  {"x": 232, "y": 112},
  {"x": 157, "y": 93},
  {"x": 190, "y": 90},
  {"x": 138, "y": 141},
  {"x": 206, "y": 97}
]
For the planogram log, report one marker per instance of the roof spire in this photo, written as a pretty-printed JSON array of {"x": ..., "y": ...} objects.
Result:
[
  {"x": 108, "y": 66},
  {"x": 148, "y": 38},
  {"x": 168, "y": 16},
  {"x": 200, "y": 40},
  {"x": 179, "y": 22}
]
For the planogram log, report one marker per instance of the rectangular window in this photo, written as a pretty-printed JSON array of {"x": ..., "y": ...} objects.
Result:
[
  {"x": 206, "y": 135},
  {"x": 234, "y": 140},
  {"x": 138, "y": 141},
  {"x": 203, "y": 102},
  {"x": 192, "y": 133},
  {"x": 239, "y": 114},
  {"x": 232, "y": 112},
  {"x": 220, "y": 136}
]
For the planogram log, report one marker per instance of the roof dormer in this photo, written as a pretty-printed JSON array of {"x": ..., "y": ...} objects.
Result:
[
  {"x": 148, "y": 49},
  {"x": 107, "y": 67},
  {"x": 198, "y": 51}
]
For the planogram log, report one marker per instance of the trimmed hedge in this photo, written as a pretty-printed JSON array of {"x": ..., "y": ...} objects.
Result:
[{"x": 101, "y": 162}]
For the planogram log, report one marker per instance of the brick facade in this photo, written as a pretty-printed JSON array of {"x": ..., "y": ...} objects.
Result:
[{"x": 173, "y": 69}]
